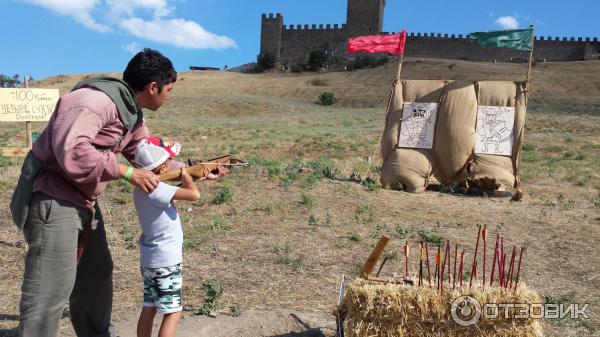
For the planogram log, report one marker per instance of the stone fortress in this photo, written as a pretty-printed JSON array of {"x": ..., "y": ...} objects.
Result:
[{"x": 292, "y": 44}]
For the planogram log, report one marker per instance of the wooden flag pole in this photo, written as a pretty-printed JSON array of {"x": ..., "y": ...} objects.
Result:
[
  {"x": 401, "y": 57},
  {"x": 400, "y": 60},
  {"x": 518, "y": 194},
  {"x": 530, "y": 58}
]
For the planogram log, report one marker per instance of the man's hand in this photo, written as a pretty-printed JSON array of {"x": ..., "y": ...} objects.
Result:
[
  {"x": 217, "y": 173},
  {"x": 144, "y": 179}
]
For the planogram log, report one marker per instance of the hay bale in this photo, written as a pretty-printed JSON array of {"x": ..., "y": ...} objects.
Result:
[{"x": 398, "y": 310}]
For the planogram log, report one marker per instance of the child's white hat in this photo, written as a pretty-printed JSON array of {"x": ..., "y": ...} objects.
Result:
[{"x": 149, "y": 156}]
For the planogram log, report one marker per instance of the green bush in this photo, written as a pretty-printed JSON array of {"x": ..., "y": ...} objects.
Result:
[
  {"x": 327, "y": 98},
  {"x": 362, "y": 62},
  {"x": 355, "y": 237},
  {"x": 431, "y": 237},
  {"x": 529, "y": 147},
  {"x": 307, "y": 201},
  {"x": 297, "y": 68},
  {"x": 316, "y": 59},
  {"x": 212, "y": 293},
  {"x": 265, "y": 61},
  {"x": 223, "y": 196}
]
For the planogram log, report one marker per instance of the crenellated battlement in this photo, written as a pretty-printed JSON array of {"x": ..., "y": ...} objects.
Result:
[
  {"x": 314, "y": 27},
  {"x": 272, "y": 17},
  {"x": 466, "y": 37}
]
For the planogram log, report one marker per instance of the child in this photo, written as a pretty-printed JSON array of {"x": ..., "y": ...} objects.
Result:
[{"x": 162, "y": 239}]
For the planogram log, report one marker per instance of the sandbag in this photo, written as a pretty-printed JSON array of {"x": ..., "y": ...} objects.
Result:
[
  {"x": 494, "y": 171},
  {"x": 455, "y": 132},
  {"x": 408, "y": 167}
]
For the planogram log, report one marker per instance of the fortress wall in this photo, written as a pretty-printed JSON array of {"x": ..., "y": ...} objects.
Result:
[
  {"x": 554, "y": 50},
  {"x": 460, "y": 47},
  {"x": 298, "y": 41},
  {"x": 424, "y": 45},
  {"x": 295, "y": 42}
]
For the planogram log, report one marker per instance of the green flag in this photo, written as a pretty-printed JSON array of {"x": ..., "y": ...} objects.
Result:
[{"x": 521, "y": 39}]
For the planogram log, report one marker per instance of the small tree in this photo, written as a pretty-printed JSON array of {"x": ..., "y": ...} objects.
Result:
[
  {"x": 316, "y": 59},
  {"x": 9, "y": 82},
  {"x": 327, "y": 98},
  {"x": 265, "y": 61}
]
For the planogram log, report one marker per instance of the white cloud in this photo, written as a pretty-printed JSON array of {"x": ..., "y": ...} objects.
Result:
[
  {"x": 79, "y": 10},
  {"x": 507, "y": 22},
  {"x": 126, "y": 14},
  {"x": 65, "y": 7},
  {"x": 89, "y": 22},
  {"x": 119, "y": 8},
  {"x": 177, "y": 32},
  {"x": 132, "y": 48}
]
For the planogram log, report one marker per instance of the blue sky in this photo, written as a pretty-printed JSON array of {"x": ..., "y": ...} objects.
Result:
[{"x": 50, "y": 37}]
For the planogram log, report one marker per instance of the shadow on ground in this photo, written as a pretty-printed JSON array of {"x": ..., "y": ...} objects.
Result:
[{"x": 316, "y": 332}]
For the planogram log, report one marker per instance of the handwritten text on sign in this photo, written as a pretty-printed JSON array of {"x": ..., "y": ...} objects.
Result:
[{"x": 26, "y": 104}]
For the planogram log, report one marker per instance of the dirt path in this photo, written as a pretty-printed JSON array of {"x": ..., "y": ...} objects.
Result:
[{"x": 278, "y": 323}]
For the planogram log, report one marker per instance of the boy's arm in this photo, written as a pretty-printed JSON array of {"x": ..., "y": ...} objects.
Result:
[{"x": 188, "y": 190}]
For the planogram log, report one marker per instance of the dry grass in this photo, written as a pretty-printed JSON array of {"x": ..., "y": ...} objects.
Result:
[{"x": 273, "y": 120}]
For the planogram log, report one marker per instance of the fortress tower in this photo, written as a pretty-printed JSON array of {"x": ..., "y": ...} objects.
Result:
[
  {"x": 294, "y": 43},
  {"x": 365, "y": 17},
  {"x": 270, "y": 35}
]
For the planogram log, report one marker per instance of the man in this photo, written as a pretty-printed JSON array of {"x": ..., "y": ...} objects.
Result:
[{"x": 69, "y": 166}]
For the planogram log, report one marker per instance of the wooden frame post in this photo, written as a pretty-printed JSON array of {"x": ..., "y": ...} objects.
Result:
[{"x": 28, "y": 123}]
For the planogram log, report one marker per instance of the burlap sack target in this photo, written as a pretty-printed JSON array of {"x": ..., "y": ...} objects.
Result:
[
  {"x": 410, "y": 168},
  {"x": 455, "y": 132},
  {"x": 494, "y": 171},
  {"x": 475, "y": 138}
]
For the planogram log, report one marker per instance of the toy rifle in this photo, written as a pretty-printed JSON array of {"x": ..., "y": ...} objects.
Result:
[{"x": 200, "y": 169}]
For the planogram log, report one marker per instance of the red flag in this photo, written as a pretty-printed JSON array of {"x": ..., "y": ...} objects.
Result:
[{"x": 391, "y": 43}]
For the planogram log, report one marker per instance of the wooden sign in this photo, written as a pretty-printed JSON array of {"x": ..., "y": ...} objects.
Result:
[
  {"x": 27, "y": 104},
  {"x": 15, "y": 151}
]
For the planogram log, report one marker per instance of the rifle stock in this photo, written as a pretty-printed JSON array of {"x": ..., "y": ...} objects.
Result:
[{"x": 199, "y": 170}]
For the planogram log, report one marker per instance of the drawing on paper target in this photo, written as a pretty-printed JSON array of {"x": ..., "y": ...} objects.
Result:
[
  {"x": 495, "y": 130},
  {"x": 418, "y": 125}
]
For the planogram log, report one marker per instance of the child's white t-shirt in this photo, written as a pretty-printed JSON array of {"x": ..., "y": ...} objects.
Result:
[{"x": 162, "y": 237}]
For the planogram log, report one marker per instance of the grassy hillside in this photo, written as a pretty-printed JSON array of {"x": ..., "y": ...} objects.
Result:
[{"x": 280, "y": 233}]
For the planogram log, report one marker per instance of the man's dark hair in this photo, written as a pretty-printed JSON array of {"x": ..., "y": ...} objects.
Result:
[{"x": 149, "y": 66}]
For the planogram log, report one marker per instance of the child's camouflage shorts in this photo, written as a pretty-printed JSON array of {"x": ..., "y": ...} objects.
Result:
[{"x": 162, "y": 288}]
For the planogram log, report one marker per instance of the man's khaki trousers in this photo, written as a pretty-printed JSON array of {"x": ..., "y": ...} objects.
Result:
[{"x": 52, "y": 275}]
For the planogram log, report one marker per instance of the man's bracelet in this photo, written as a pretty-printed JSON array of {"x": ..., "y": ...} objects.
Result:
[{"x": 128, "y": 173}]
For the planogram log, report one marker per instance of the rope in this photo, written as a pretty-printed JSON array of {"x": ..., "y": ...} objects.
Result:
[{"x": 365, "y": 174}]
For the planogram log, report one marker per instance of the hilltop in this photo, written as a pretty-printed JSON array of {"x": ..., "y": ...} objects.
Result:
[{"x": 552, "y": 81}]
